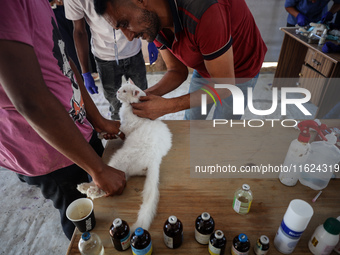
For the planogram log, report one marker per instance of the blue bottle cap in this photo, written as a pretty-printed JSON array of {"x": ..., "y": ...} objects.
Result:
[
  {"x": 86, "y": 236},
  {"x": 139, "y": 231},
  {"x": 242, "y": 237}
]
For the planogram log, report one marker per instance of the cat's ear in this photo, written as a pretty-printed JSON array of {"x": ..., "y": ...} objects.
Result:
[{"x": 135, "y": 93}]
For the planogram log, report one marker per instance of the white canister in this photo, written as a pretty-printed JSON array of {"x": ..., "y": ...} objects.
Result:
[{"x": 293, "y": 224}]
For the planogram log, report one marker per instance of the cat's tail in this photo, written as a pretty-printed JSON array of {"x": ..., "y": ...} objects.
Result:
[{"x": 150, "y": 196}]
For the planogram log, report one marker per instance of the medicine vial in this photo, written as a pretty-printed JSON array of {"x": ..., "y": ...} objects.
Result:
[
  {"x": 325, "y": 237},
  {"x": 204, "y": 227},
  {"x": 242, "y": 199},
  {"x": 90, "y": 244},
  {"x": 141, "y": 243},
  {"x": 173, "y": 232},
  {"x": 217, "y": 243},
  {"x": 120, "y": 234},
  {"x": 262, "y": 245},
  {"x": 240, "y": 245}
]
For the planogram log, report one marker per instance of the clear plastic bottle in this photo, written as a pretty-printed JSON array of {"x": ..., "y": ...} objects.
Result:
[
  {"x": 325, "y": 237},
  {"x": 320, "y": 163},
  {"x": 90, "y": 244},
  {"x": 298, "y": 152},
  {"x": 242, "y": 199}
]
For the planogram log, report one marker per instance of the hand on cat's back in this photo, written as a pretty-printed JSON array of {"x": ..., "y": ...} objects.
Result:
[
  {"x": 151, "y": 107},
  {"x": 111, "y": 180}
]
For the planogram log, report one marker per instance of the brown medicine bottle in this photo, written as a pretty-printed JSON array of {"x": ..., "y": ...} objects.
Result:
[
  {"x": 173, "y": 232},
  {"x": 120, "y": 234},
  {"x": 204, "y": 227}
]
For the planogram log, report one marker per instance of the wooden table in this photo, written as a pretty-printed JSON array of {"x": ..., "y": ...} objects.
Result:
[
  {"x": 188, "y": 197},
  {"x": 299, "y": 61}
]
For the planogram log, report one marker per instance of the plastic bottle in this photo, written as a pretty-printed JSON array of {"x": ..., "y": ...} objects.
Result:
[
  {"x": 325, "y": 237},
  {"x": 241, "y": 245},
  {"x": 298, "y": 152},
  {"x": 242, "y": 199},
  {"x": 217, "y": 243},
  {"x": 337, "y": 247},
  {"x": 293, "y": 225},
  {"x": 323, "y": 37},
  {"x": 204, "y": 227},
  {"x": 173, "y": 232},
  {"x": 120, "y": 234},
  {"x": 90, "y": 244},
  {"x": 141, "y": 243},
  {"x": 320, "y": 163}
]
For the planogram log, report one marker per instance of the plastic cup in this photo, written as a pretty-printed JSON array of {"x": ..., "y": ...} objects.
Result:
[{"x": 81, "y": 213}]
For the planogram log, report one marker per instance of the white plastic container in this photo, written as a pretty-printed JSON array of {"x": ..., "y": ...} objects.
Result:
[
  {"x": 296, "y": 156},
  {"x": 293, "y": 225},
  {"x": 320, "y": 163},
  {"x": 325, "y": 237},
  {"x": 337, "y": 247},
  {"x": 298, "y": 152}
]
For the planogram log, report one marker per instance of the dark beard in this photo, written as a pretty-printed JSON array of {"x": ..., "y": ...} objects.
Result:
[{"x": 153, "y": 24}]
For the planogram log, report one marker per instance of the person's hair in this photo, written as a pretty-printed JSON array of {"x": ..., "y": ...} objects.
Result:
[{"x": 100, "y": 6}]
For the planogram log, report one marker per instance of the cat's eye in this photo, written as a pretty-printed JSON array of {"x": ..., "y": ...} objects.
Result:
[{"x": 124, "y": 91}]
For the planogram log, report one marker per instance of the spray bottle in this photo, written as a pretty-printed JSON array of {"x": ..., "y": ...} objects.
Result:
[
  {"x": 298, "y": 152},
  {"x": 321, "y": 163}
]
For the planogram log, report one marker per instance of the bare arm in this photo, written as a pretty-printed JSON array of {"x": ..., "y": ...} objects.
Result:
[
  {"x": 82, "y": 45},
  {"x": 220, "y": 69},
  {"x": 22, "y": 80},
  {"x": 176, "y": 74},
  {"x": 293, "y": 11},
  {"x": 335, "y": 8}
]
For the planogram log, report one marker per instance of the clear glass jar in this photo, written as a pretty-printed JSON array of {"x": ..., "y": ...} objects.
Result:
[{"x": 242, "y": 199}]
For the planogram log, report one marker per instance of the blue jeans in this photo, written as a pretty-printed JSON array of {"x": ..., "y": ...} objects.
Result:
[
  {"x": 221, "y": 112},
  {"x": 111, "y": 77}
]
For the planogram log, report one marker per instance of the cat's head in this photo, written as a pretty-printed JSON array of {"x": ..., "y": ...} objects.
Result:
[{"x": 129, "y": 93}]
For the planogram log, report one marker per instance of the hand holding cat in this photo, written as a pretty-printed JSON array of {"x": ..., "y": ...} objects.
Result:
[
  {"x": 151, "y": 107},
  {"x": 111, "y": 180},
  {"x": 110, "y": 130}
]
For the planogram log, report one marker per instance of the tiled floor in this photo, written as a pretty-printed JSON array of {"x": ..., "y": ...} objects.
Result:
[{"x": 30, "y": 224}]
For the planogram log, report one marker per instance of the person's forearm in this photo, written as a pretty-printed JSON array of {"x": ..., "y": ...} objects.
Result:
[
  {"x": 22, "y": 80},
  {"x": 292, "y": 11},
  {"x": 335, "y": 8},
  {"x": 169, "y": 82},
  {"x": 82, "y": 46}
]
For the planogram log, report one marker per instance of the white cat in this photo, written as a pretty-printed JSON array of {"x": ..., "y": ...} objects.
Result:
[{"x": 147, "y": 142}]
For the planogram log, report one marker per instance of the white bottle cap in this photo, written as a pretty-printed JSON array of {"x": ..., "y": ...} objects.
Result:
[
  {"x": 117, "y": 222},
  {"x": 205, "y": 216},
  {"x": 298, "y": 215},
  {"x": 172, "y": 219}
]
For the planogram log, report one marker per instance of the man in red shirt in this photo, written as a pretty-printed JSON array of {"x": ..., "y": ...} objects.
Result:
[{"x": 217, "y": 38}]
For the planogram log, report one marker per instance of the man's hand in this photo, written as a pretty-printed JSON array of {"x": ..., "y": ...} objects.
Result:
[
  {"x": 89, "y": 83},
  {"x": 151, "y": 107},
  {"x": 328, "y": 16},
  {"x": 110, "y": 130},
  {"x": 111, "y": 180},
  {"x": 302, "y": 20}
]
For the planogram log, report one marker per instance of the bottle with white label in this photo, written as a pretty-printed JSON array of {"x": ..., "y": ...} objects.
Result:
[
  {"x": 325, "y": 237},
  {"x": 120, "y": 234},
  {"x": 204, "y": 227},
  {"x": 242, "y": 199},
  {"x": 173, "y": 232},
  {"x": 293, "y": 225},
  {"x": 217, "y": 243}
]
